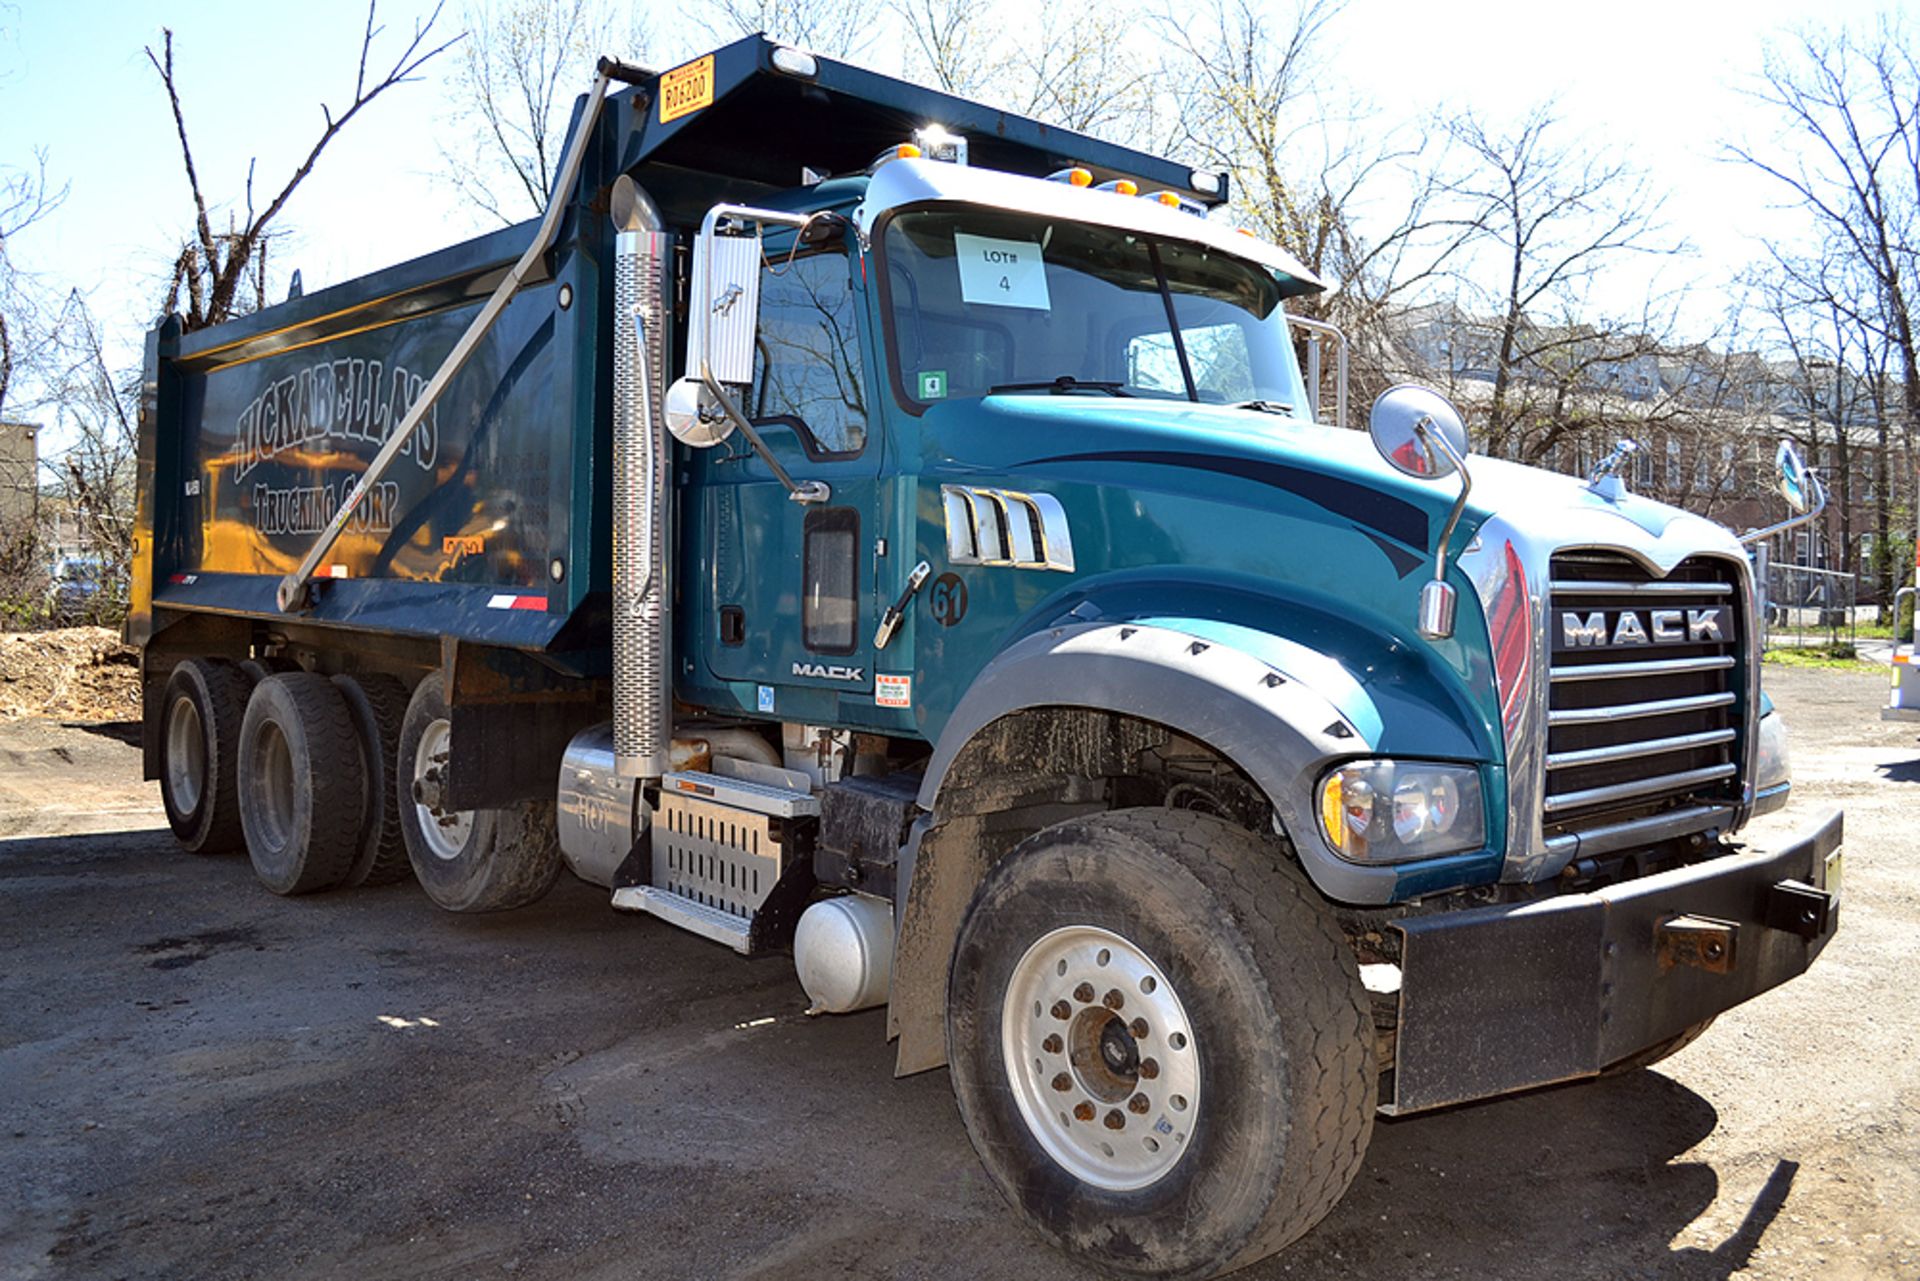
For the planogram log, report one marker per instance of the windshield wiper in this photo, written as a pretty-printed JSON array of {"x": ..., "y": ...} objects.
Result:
[
  {"x": 1063, "y": 384},
  {"x": 1267, "y": 407}
]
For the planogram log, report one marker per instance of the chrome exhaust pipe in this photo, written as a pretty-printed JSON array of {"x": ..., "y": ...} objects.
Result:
[{"x": 642, "y": 472}]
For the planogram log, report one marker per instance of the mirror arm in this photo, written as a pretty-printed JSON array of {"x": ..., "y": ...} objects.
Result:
[
  {"x": 812, "y": 491},
  {"x": 1438, "y": 439},
  {"x": 1438, "y": 600},
  {"x": 1792, "y": 522}
]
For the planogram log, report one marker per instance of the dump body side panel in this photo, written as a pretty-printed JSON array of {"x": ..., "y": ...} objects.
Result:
[{"x": 261, "y": 428}]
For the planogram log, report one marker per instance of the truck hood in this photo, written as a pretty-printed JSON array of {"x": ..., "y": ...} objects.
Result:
[{"x": 1342, "y": 467}]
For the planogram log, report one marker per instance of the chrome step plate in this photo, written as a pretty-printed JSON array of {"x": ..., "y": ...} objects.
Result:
[{"x": 677, "y": 909}]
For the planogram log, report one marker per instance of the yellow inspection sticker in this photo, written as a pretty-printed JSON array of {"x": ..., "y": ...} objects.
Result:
[{"x": 685, "y": 90}]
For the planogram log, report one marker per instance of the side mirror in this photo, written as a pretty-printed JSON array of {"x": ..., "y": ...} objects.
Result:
[
  {"x": 693, "y": 415},
  {"x": 1801, "y": 489},
  {"x": 1395, "y": 425},
  {"x": 723, "y": 306},
  {"x": 1798, "y": 485}
]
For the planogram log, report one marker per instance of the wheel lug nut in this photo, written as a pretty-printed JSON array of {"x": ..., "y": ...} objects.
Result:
[
  {"x": 1139, "y": 1029},
  {"x": 1084, "y": 994},
  {"x": 1062, "y": 1082},
  {"x": 1053, "y": 1044},
  {"x": 1138, "y": 1105},
  {"x": 1083, "y": 1111},
  {"x": 1113, "y": 1000},
  {"x": 1115, "y": 1119},
  {"x": 1062, "y": 1011},
  {"x": 1149, "y": 1069}
]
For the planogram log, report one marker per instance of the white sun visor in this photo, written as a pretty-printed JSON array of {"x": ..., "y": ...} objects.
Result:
[{"x": 902, "y": 183}]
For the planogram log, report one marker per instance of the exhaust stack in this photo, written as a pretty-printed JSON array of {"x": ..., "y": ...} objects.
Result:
[{"x": 642, "y": 469}]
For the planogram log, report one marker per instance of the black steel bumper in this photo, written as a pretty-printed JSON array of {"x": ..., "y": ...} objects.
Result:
[{"x": 1503, "y": 998}]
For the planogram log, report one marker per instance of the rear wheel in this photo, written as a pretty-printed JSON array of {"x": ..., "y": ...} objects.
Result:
[
  {"x": 204, "y": 705},
  {"x": 480, "y": 860},
  {"x": 1160, "y": 1043},
  {"x": 378, "y": 705},
  {"x": 301, "y": 783}
]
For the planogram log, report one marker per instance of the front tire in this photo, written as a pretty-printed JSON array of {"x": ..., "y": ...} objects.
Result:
[
  {"x": 484, "y": 860},
  {"x": 1159, "y": 1043}
]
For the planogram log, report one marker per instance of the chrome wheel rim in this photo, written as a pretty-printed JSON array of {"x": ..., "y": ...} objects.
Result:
[
  {"x": 186, "y": 755},
  {"x": 445, "y": 831},
  {"x": 1100, "y": 1054}
]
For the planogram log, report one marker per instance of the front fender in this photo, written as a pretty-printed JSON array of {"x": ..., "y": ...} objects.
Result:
[{"x": 1279, "y": 710}]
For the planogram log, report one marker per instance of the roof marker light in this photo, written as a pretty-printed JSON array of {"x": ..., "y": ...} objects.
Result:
[
  {"x": 1075, "y": 176},
  {"x": 795, "y": 62},
  {"x": 900, "y": 151},
  {"x": 1174, "y": 200},
  {"x": 1120, "y": 186}
]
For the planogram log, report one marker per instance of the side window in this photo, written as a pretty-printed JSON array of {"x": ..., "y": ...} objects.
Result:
[
  {"x": 829, "y": 604},
  {"x": 806, "y": 365}
]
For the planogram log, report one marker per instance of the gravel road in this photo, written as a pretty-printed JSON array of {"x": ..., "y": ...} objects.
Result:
[{"x": 198, "y": 1080}]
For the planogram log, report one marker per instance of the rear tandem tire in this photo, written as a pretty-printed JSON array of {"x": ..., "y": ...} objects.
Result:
[
  {"x": 1178, "y": 998},
  {"x": 378, "y": 704},
  {"x": 200, "y": 718},
  {"x": 482, "y": 860},
  {"x": 301, "y": 783}
]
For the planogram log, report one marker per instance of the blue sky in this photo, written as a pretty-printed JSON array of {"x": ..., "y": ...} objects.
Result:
[{"x": 1659, "y": 79}]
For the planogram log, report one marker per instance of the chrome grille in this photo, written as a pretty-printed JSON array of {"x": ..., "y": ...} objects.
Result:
[{"x": 1641, "y": 733}]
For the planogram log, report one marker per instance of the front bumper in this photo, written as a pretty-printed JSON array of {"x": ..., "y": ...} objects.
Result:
[{"x": 1504, "y": 998}]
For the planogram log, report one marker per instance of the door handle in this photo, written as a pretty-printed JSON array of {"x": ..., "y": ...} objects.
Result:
[{"x": 890, "y": 621}]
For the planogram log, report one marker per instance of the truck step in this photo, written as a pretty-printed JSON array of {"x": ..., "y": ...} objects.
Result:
[
  {"x": 740, "y": 793},
  {"x": 677, "y": 909}
]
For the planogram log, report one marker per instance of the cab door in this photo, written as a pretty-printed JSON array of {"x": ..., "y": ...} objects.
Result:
[{"x": 786, "y": 591}]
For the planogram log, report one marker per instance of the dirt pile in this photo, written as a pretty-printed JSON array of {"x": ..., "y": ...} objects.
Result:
[{"x": 76, "y": 673}]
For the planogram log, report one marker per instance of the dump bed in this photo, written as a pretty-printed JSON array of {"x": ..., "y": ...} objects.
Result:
[{"x": 493, "y": 524}]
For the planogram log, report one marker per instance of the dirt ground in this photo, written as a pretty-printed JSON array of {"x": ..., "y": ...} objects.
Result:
[
  {"x": 198, "y": 1080},
  {"x": 78, "y": 673}
]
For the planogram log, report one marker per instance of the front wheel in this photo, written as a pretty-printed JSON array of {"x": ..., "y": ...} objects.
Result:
[{"x": 1159, "y": 1042}]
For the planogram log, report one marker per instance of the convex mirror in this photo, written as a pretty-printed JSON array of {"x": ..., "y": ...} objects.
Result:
[
  {"x": 694, "y": 416},
  {"x": 1396, "y": 422},
  {"x": 1798, "y": 485}
]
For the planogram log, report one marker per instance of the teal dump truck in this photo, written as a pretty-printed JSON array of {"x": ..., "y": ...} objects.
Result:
[{"x": 858, "y": 522}]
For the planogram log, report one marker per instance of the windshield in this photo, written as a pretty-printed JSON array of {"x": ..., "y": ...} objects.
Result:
[{"x": 982, "y": 301}]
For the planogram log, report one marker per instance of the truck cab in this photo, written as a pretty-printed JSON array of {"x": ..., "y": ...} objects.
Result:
[{"x": 860, "y": 522}]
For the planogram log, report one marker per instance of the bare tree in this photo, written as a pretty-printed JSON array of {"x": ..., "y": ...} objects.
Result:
[
  {"x": 1073, "y": 68},
  {"x": 1241, "y": 80},
  {"x": 837, "y": 28},
  {"x": 951, "y": 43},
  {"x": 25, "y": 198},
  {"x": 1550, "y": 217},
  {"x": 1847, "y": 103},
  {"x": 518, "y": 71},
  {"x": 207, "y": 276},
  {"x": 94, "y": 475},
  {"x": 1852, "y": 104}
]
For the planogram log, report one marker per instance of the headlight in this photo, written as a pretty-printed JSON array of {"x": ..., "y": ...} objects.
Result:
[
  {"x": 1772, "y": 768},
  {"x": 1391, "y": 811}
]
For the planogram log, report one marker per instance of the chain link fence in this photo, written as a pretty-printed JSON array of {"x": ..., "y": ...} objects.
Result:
[{"x": 1806, "y": 607}]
